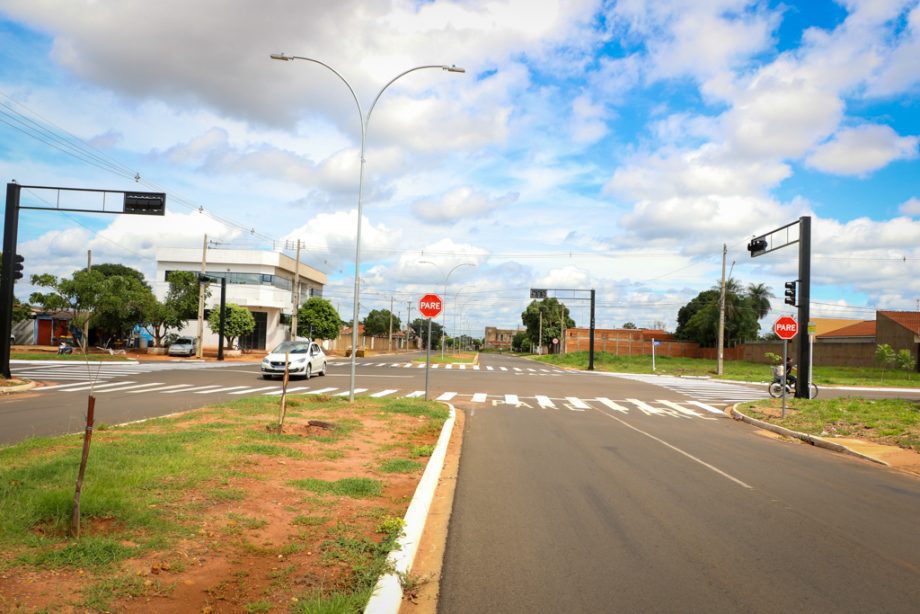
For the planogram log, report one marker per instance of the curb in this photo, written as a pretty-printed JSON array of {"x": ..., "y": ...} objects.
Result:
[
  {"x": 388, "y": 593},
  {"x": 815, "y": 441},
  {"x": 19, "y": 388}
]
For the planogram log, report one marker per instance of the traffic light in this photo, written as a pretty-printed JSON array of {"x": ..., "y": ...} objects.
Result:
[
  {"x": 790, "y": 292},
  {"x": 17, "y": 266},
  {"x": 757, "y": 246}
]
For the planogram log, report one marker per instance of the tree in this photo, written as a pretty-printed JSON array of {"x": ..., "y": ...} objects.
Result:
[
  {"x": 553, "y": 312},
  {"x": 318, "y": 319},
  {"x": 123, "y": 303},
  {"x": 629, "y": 326},
  {"x": 520, "y": 342},
  {"x": 79, "y": 296},
  {"x": 377, "y": 322},
  {"x": 119, "y": 270},
  {"x": 698, "y": 320},
  {"x": 238, "y": 321},
  {"x": 181, "y": 304},
  {"x": 760, "y": 295},
  {"x": 420, "y": 329}
]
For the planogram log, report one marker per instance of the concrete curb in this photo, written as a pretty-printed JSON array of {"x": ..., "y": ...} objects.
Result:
[
  {"x": 388, "y": 594},
  {"x": 815, "y": 441},
  {"x": 19, "y": 388}
]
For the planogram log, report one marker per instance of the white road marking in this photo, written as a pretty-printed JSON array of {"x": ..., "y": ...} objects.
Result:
[
  {"x": 708, "y": 408},
  {"x": 612, "y": 405},
  {"x": 129, "y": 387},
  {"x": 275, "y": 393},
  {"x": 678, "y": 450},
  {"x": 645, "y": 408},
  {"x": 191, "y": 389},
  {"x": 577, "y": 404},
  {"x": 254, "y": 390},
  {"x": 475, "y": 367},
  {"x": 324, "y": 390},
  {"x": 84, "y": 387},
  {"x": 490, "y": 368},
  {"x": 448, "y": 366},
  {"x": 434, "y": 366},
  {"x": 347, "y": 392},
  {"x": 545, "y": 402},
  {"x": 222, "y": 389},
  {"x": 447, "y": 396},
  {"x": 463, "y": 367},
  {"x": 687, "y": 412},
  {"x": 415, "y": 395},
  {"x": 160, "y": 389},
  {"x": 511, "y": 399},
  {"x": 503, "y": 368},
  {"x": 383, "y": 393},
  {"x": 479, "y": 397}
]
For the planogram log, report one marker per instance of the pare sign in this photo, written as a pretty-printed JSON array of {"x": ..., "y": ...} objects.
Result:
[{"x": 430, "y": 305}]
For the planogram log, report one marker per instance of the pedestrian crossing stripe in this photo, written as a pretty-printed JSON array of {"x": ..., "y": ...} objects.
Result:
[{"x": 479, "y": 397}]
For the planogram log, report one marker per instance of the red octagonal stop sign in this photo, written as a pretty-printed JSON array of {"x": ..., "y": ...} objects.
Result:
[
  {"x": 430, "y": 305},
  {"x": 786, "y": 327}
]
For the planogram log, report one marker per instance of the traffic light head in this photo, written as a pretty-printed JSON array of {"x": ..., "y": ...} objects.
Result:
[
  {"x": 790, "y": 292},
  {"x": 757, "y": 246},
  {"x": 17, "y": 267}
]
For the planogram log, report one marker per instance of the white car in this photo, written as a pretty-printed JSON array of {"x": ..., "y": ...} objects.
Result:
[
  {"x": 305, "y": 358},
  {"x": 183, "y": 346}
]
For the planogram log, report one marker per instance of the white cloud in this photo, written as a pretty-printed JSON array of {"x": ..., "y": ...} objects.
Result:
[
  {"x": 861, "y": 150},
  {"x": 588, "y": 119},
  {"x": 329, "y": 239},
  {"x": 911, "y": 206},
  {"x": 460, "y": 203}
]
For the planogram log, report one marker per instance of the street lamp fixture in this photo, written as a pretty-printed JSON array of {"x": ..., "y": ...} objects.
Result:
[
  {"x": 365, "y": 119},
  {"x": 443, "y": 305}
]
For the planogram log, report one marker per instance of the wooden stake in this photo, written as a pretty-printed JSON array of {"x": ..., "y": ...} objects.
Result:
[{"x": 87, "y": 437}]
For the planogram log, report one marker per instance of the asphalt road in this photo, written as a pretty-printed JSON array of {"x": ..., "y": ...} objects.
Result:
[{"x": 592, "y": 493}]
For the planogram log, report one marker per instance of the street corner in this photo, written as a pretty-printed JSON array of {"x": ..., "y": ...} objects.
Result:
[{"x": 12, "y": 386}]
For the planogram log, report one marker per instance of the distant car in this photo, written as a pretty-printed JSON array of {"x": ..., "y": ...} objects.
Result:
[
  {"x": 305, "y": 358},
  {"x": 183, "y": 346}
]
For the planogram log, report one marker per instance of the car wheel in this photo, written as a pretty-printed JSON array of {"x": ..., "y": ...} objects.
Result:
[
  {"x": 306, "y": 372},
  {"x": 323, "y": 370}
]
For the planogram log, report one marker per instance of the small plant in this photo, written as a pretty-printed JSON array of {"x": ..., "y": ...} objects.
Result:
[
  {"x": 773, "y": 357},
  {"x": 411, "y": 584}
]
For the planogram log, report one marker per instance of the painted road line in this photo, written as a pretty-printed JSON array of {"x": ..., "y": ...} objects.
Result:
[
  {"x": 577, "y": 404},
  {"x": 463, "y": 367},
  {"x": 191, "y": 389},
  {"x": 384, "y": 393},
  {"x": 545, "y": 402},
  {"x": 503, "y": 368},
  {"x": 708, "y": 408},
  {"x": 254, "y": 390},
  {"x": 475, "y": 367},
  {"x": 447, "y": 396},
  {"x": 221, "y": 389},
  {"x": 82, "y": 386},
  {"x": 685, "y": 411},
  {"x": 325, "y": 390},
  {"x": 415, "y": 395},
  {"x": 407, "y": 365},
  {"x": 645, "y": 408},
  {"x": 612, "y": 405},
  {"x": 448, "y": 366},
  {"x": 511, "y": 399},
  {"x": 97, "y": 391},
  {"x": 479, "y": 397},
  {"x": 161, "y": 389},
  {"x": 490, "y": 368},
  {"x": 434, "y": 366},
  {"x": 347, "y": 392},
  {"x": 516, "y": 369}
]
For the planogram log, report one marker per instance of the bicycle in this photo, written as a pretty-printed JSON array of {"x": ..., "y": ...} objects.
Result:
[{"x": 776, "y": 386}]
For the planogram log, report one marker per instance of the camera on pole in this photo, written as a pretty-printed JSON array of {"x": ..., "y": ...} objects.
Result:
[{"x": 790, "y": 292}]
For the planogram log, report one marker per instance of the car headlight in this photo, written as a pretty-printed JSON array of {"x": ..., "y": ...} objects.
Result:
[{"x": 266, "y": 361}]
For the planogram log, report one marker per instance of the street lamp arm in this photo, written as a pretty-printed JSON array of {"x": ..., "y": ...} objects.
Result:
[
  {"x": 291, "y": 58},
  {"x": 403, "y": 74}
]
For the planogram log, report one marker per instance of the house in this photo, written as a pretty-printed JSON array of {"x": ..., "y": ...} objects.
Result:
[
  {"x": 499, "y": 338},
  {"x": 260, "y": 281},
  {"x": 900, "y": 330}
]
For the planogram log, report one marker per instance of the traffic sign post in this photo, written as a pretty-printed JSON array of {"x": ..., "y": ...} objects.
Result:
[
  {"x": 430, "y": 306},
  {"x": 786, "y": 328}
]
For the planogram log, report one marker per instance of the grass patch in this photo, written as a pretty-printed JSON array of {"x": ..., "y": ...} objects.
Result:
[
  {"x": 357, "y": 488},
  {"x": 400, "y": 465},
  {"x": 268, "y": 450},
  {"x": 421, "y": 451},
  {"x": 887, "y": 421},
  {"x": 309, "y": 521},
  {"x": 732, "y": 369}
]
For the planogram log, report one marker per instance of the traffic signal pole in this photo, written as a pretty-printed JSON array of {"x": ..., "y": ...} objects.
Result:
[
  {"x": 803, "y": 387},
  {"x": 10, "y": 230}
]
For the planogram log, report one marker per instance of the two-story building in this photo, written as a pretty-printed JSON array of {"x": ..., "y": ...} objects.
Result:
[{"x": 260, "y": 281}]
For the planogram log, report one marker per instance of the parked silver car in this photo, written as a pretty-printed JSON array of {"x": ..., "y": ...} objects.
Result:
[
  {"x": 305, "y": 358},
  {"x": 183, "y": 346}
]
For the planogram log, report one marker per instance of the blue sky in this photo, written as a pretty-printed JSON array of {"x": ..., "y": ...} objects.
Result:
[{"x": 607, "y": 145}]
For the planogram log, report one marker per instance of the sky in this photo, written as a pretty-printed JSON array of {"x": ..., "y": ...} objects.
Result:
[{"x": 607, "y": 145}]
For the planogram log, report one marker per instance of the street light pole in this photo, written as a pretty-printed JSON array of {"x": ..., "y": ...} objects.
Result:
[{"x": 364, "y": 121}]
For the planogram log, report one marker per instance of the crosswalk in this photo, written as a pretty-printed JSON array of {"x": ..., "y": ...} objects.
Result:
[
  {"x": 455, "y": 367},
  {"x": 98, "y": 371},
  {"x": 701, "y": 388},
  {"x": 659, "y": 408}
]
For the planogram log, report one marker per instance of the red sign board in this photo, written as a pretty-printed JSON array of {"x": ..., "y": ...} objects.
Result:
[
  {"x": 430, "y": 305},
  {"x": 786, "y": 327}
]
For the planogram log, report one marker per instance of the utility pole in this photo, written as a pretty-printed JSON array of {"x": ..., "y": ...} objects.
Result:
[
  {"x": 201, "y": 291},
  {"x": 540, "y": 342},
  {"x": 295, "y": 293},
  {"x": 390, "y": 341},
  {"x": 722, "y": 312},
  {"x": 408, "y": 322}
]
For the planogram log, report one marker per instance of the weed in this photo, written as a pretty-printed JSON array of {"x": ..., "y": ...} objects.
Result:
[
  {"x": 268, "y": 450},
  {"x": 258, "y": 606},
  {"x": 400, "y": 465},
  {"x": 421, "y": 451},
  {"x": 247, "y": 522},
  {"x": 309, "y": 521},
  {"x": 358, "y": 488},
  {"x": 224, "y": 495},
  {"x": 89, "y": 552}
]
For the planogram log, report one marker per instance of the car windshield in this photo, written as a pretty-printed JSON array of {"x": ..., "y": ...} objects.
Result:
[
  {"x": 184, "y": 341},
  {"x": 292, "y": 347}
]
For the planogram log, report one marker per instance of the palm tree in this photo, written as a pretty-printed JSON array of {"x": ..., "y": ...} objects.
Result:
[{"x": 760, "y": 295}]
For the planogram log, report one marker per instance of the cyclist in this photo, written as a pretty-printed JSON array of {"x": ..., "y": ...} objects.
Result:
[{"x": 790, "y": 378}]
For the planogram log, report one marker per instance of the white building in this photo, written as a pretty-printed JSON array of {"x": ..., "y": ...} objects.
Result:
[{"x": 260, "y": 281}]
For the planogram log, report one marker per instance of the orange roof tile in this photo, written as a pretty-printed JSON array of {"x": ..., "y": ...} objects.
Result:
[
  {"x": 908, "y": 319},
  {"x": 866, "y": 328}
]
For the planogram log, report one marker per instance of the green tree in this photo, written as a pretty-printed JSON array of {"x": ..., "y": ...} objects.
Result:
[
  {"x": 78, "y": 296},
  {"x": 420, "y": 329},
  {"x": 553, "y": 312},
  {"x": 377, "y": 322},
  {"x": 760, "y": 295},
  {"x": 698, "y": 320},
  {"x": 124, "y": 302},
  {"x": 238, "y": 321},
  {"x": 318, "y": 319},
  {"x": 885, "y": 355},
  {"x": 521, "y": 342},
  {"x": 629, "y": 326},
  {"x": 181, "y": 304},
  {"x": 109, "y": 269}
]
